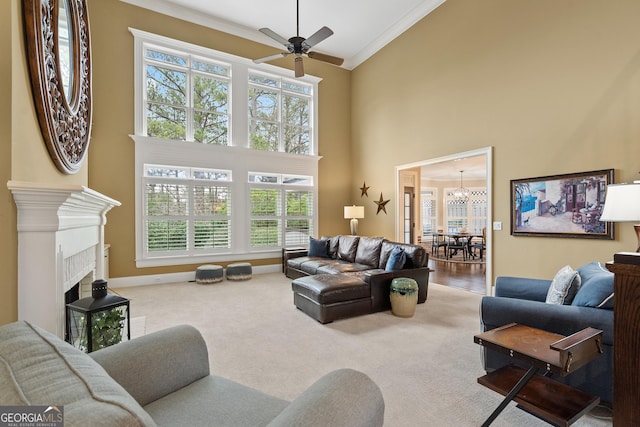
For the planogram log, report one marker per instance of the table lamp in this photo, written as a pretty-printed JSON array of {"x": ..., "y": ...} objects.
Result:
[
  {"x": 354, "y": 212},
  {"x": 622, "y": 204}
]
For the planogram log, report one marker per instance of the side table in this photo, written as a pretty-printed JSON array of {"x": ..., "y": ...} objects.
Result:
[{"x": 548, "y": 399}]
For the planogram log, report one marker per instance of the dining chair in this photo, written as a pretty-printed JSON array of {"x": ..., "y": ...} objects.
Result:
[
  {"x": 438, "y": 241},
  {"x": 457, "y": 244},
  {"x": 480, "y": 246}
]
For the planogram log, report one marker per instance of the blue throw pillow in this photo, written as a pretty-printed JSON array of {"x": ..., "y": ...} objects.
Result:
[
  {"x": 596, "y": 289},
  {"x": 396, "y": 260},
  {"x": 318, "y": 247}
]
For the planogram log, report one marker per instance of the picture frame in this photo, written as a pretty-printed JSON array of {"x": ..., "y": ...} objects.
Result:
[{"x": 566, "y": 205}]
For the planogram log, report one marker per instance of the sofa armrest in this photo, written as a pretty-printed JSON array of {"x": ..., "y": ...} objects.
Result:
[
  {"x": 559, "y": 319},
  {"x": 379, "y": 282},
  {"x": 344, "y": 397},
  {"x": 157, "y": 364},
  {"x": 522, "y": 288}
]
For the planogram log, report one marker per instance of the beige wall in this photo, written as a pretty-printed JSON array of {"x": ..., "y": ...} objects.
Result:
[
  {"x": 8, "y": 243},
  {"x": 553, "y": 86},
  {"x": 112, "y": 151},
  {"x": 24, "y": 156}
]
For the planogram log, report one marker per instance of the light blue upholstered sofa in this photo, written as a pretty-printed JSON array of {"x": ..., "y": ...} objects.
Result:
[
  {"x": 163, "y": 379},
  {"x": 522, "y": 300}
]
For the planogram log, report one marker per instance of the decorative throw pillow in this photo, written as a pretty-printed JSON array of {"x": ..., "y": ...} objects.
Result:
[
  {"x": 396, "y": 259},
  {"x": 564, "y": 286},
  {"x": 597, "y": 287},
  {"x": 318, "y": 247}
]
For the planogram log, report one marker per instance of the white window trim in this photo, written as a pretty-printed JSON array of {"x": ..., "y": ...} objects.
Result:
[{"x": 239, "y": 159}]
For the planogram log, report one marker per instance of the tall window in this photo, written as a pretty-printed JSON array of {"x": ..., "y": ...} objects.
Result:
[
  {"x": 210, "y": 115},
  {"x": 470, "y": 214},
  {"x": 279, "y": 114},
  {"x": 187, "y": 97},
  {"x": 428, "y": 198},
  {"x": 186, "y": 210},
  {"x": 281, "y": 209}
]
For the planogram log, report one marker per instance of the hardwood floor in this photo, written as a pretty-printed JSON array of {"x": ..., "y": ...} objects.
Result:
[{"x": 467, "y": 276}]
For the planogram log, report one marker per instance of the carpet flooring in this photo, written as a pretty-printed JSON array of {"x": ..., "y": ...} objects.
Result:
[{"x": 426, "y": 365}]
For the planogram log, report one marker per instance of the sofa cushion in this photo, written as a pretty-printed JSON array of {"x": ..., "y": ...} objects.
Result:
[
  {"x": 331, "y": 288},
  {"x": 368, "y": 251},
  {"x": 318, "y": 247},
  {"x": 339, "y": 266},
  {"x": 38, "y": 368},
  {"x": 563, "y": 286},
  {"x": 396, "y": 260},
  {"x": 347, "y": 247},
  {"x": 333, "y": 245},
  {"x": 596, "y": 289}
]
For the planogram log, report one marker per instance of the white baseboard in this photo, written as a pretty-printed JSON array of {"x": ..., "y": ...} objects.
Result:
[{"x": 159, "y": 279}]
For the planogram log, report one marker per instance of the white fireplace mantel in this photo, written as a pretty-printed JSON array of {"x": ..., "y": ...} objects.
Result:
[{"x": 60, "y": 242}]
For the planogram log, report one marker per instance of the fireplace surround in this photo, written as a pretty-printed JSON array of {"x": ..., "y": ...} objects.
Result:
[{"x": 60, "y": 244}]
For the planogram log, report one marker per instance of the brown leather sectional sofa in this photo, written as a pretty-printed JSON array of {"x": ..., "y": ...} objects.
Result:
[{"x": 352, "y": 278}]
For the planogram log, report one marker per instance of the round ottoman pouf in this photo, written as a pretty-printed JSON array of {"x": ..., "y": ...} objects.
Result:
[
  {"x": 209, "y": 273},
  {"x": 239, "y": 271},
  {"x": 404, "y": 296}
]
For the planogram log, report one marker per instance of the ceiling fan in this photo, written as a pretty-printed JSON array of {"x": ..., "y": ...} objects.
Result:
[{"x": 299, "y": 46}]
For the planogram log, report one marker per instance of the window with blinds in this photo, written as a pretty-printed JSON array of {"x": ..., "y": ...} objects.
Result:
[
  {"x": 186, "y": 210},
  {"x": 281, "y": 209}
]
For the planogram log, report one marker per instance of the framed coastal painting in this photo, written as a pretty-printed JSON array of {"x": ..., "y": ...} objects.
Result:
[{"x": 567, "y": 205}]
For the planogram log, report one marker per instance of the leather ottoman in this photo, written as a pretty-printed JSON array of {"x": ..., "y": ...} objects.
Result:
[{"x": 328, "y": 297}]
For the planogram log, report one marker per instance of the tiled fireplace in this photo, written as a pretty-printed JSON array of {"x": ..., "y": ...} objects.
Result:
[{"x": 60, "y": 244}]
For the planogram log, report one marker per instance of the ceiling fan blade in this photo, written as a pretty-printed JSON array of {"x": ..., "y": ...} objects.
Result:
[
  {"x": 316, "y": 38},
  {"x": 299, "y": 68},
  {"x": 270, "y": 58},
  {"x": 326, "y": 58},
  {"x": 277, "y": 37}
]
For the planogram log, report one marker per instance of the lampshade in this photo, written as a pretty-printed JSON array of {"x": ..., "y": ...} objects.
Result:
[
  {"x": 353, "y": 212},
  {"x": 622, "y": 203}
]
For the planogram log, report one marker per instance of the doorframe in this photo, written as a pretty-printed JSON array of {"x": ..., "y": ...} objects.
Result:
[{"x": 488, "y": 153}]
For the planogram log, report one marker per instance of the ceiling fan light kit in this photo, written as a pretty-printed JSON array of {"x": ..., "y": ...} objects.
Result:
[{"x": 299, "y": 46}]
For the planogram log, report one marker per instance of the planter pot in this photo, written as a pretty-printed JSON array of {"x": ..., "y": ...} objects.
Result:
[{"x": 404, "y": 296}]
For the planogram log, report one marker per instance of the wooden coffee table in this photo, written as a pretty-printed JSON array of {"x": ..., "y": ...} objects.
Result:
[{"x": 550, "y": 400}]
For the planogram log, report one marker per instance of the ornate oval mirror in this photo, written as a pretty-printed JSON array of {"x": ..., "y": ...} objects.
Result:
[{"x": 59, "y": 56}]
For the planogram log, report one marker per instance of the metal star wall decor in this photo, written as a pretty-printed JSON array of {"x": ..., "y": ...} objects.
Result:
[
  {"x": 364, "y": 189},
  {"x": 381, "y": 205}
]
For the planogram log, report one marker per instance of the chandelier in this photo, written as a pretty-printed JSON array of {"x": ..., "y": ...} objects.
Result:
[{"x": 461, "y": 193}]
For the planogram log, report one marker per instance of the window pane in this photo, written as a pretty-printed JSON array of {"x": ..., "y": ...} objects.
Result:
[
  {"x": 297, "y": 232},
  {"x": 265, "y": 232},
  {"x": 295, "y": 110},
  {"x": 264, "y": 135},
  {"x": 271, "y": 179},
  {"x": 166, "y": 235},
  {"x": 218, "y": 69},
  {"x": 166, "y": 122},
  {"x": 263, "y": 80},
  {"x": 297, "y": 140},
  {"x": 211, "y": 201},
  {"x": 263, "y": 104},
  {"x": 210, "y": 94},
  {"x": 167, "y": 172},
  {"x": 212, "y": 234},
  {"x": 296, "y": 87},
  {"x": 265, "y": 202},
  {"x": 212, "y": 175},
  {"x": 297, "y": 180},
  {"x": 166, "y": 86},
  {"x": 166, "y": 199},
  {"x": 299, "y": 203},
  {"x": 211, "y": 128},
  {"x": 166, "y": 57}
]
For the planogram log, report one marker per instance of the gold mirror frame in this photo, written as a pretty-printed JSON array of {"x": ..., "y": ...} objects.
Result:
[{"x": 65, "y": 120}]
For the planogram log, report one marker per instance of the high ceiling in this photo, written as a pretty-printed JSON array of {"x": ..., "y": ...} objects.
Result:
[{"x": 361, "y": 27}]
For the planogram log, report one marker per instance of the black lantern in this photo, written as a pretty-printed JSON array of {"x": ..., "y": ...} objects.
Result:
[{"x": 99, "y": 321}]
